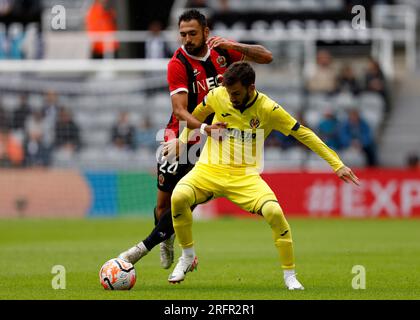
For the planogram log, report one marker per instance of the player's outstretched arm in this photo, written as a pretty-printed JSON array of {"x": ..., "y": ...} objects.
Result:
[
  {"x": 252, "y": 52},
  {"x": 313, "y": 142}
]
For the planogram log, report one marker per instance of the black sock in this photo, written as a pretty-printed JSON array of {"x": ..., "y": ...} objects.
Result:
[
  {"x": 162, "y": 231},
  {"x": 154, "y": 215}
]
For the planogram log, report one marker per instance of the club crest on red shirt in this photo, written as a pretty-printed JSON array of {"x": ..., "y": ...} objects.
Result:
[
  {"x": 161, "y": 179},
  {"x": 221, "y": 60}
]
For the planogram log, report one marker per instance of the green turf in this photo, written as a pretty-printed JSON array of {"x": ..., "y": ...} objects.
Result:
[{"x": 237, "y": 259}]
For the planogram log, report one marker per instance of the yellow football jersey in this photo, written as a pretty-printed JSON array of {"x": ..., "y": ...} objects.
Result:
[{"x": 243, "y": 143}]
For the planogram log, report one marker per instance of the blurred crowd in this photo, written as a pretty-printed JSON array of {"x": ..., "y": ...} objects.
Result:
[
  {"x": 345, "y": 129},
  {"x": 352, "y": 133},
  {"x": 18, "y": 42},
  {"x": 329, "y": 78},
  {"x": 20, "y": 36},
  {"x": 29, "y": 137}
]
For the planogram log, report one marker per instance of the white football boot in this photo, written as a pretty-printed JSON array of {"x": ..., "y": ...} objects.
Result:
[
  {"x": 167, "y": 252},
  {"x": 135, "y": 253},
  {"x": 184, "y": 265},
  {"x": 292, "y": 283}
]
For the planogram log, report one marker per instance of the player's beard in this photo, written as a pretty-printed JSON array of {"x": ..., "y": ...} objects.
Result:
[
  {"x": 195, "y": 51},
  {"x": 244, "y": 102}
]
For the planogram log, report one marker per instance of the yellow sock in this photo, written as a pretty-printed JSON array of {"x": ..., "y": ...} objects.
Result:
[{"x": 282, "y": 234}]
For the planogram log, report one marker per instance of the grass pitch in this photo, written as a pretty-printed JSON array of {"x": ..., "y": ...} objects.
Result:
[{"x": 237, "y": 259}]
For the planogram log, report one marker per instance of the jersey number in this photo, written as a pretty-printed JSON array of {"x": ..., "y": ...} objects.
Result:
[{"x": 170, "y": 169}]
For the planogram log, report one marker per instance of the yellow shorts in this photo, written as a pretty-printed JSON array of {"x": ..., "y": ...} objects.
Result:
[{"x": 248, "y": 191}]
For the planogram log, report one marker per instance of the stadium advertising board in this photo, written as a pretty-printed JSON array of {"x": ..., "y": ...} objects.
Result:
[{"x": 382, "y": 194}]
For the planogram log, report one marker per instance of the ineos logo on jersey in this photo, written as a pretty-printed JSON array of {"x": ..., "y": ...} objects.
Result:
[{"x": 207, "y": 84}]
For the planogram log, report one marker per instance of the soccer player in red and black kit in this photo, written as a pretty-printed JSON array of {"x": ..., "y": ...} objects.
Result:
[{"x": 195, "y": 68}]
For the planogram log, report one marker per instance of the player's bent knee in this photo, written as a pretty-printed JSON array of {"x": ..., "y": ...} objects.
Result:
[
  {"x": 271, "y": 210},
  {"x": 273, "y": 214},
  {"x": 178, "y": 200},
  {"x": 182, "y": 196}
]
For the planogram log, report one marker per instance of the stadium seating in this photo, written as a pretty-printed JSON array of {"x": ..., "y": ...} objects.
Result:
[
  {"x": 95, "y": 114},
  {"x": 96, "y": 99},
  {"x": 284, "y": 5}
]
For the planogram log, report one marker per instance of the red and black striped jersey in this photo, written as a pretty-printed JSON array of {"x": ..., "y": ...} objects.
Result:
[{"x": 196, "y": 76}]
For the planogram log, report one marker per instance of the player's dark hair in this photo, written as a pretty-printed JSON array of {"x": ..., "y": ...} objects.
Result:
[
  {"x": 193, "y": 14},
  {"x": 239, "y": 71}
]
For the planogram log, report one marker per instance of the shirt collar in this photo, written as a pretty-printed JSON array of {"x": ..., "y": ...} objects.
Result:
[{"x": 206, "y": 56}]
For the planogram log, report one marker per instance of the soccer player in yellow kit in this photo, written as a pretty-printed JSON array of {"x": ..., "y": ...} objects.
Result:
[{"x": 230, "y": 162}]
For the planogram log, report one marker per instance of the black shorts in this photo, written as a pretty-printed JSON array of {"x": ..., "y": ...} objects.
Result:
[{"x": 169, "y": 174}]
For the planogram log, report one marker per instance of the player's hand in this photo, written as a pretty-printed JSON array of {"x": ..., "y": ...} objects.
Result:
[
  {"x": 347, "y": 175},
  {"x": 220, "y": 42},
  {"x": 171, "y": 150},
  {"x": 217, "y": 130}
]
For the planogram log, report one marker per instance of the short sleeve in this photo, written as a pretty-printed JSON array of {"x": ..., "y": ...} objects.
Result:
[
  {"x": 204, "y": 109},
  {"x": 281, "y": 120},
  {"x": 210, "y": 99},
  {"x": 177, "y": 77}
]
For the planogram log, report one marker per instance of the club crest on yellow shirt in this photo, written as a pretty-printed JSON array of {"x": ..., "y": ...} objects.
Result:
[{"x": 254, "y": 123}]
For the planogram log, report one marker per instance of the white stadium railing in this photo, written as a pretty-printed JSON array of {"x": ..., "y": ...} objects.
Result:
[
  {"x": 382, "y": 39},
  {"x": 83, "y": 65}
]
